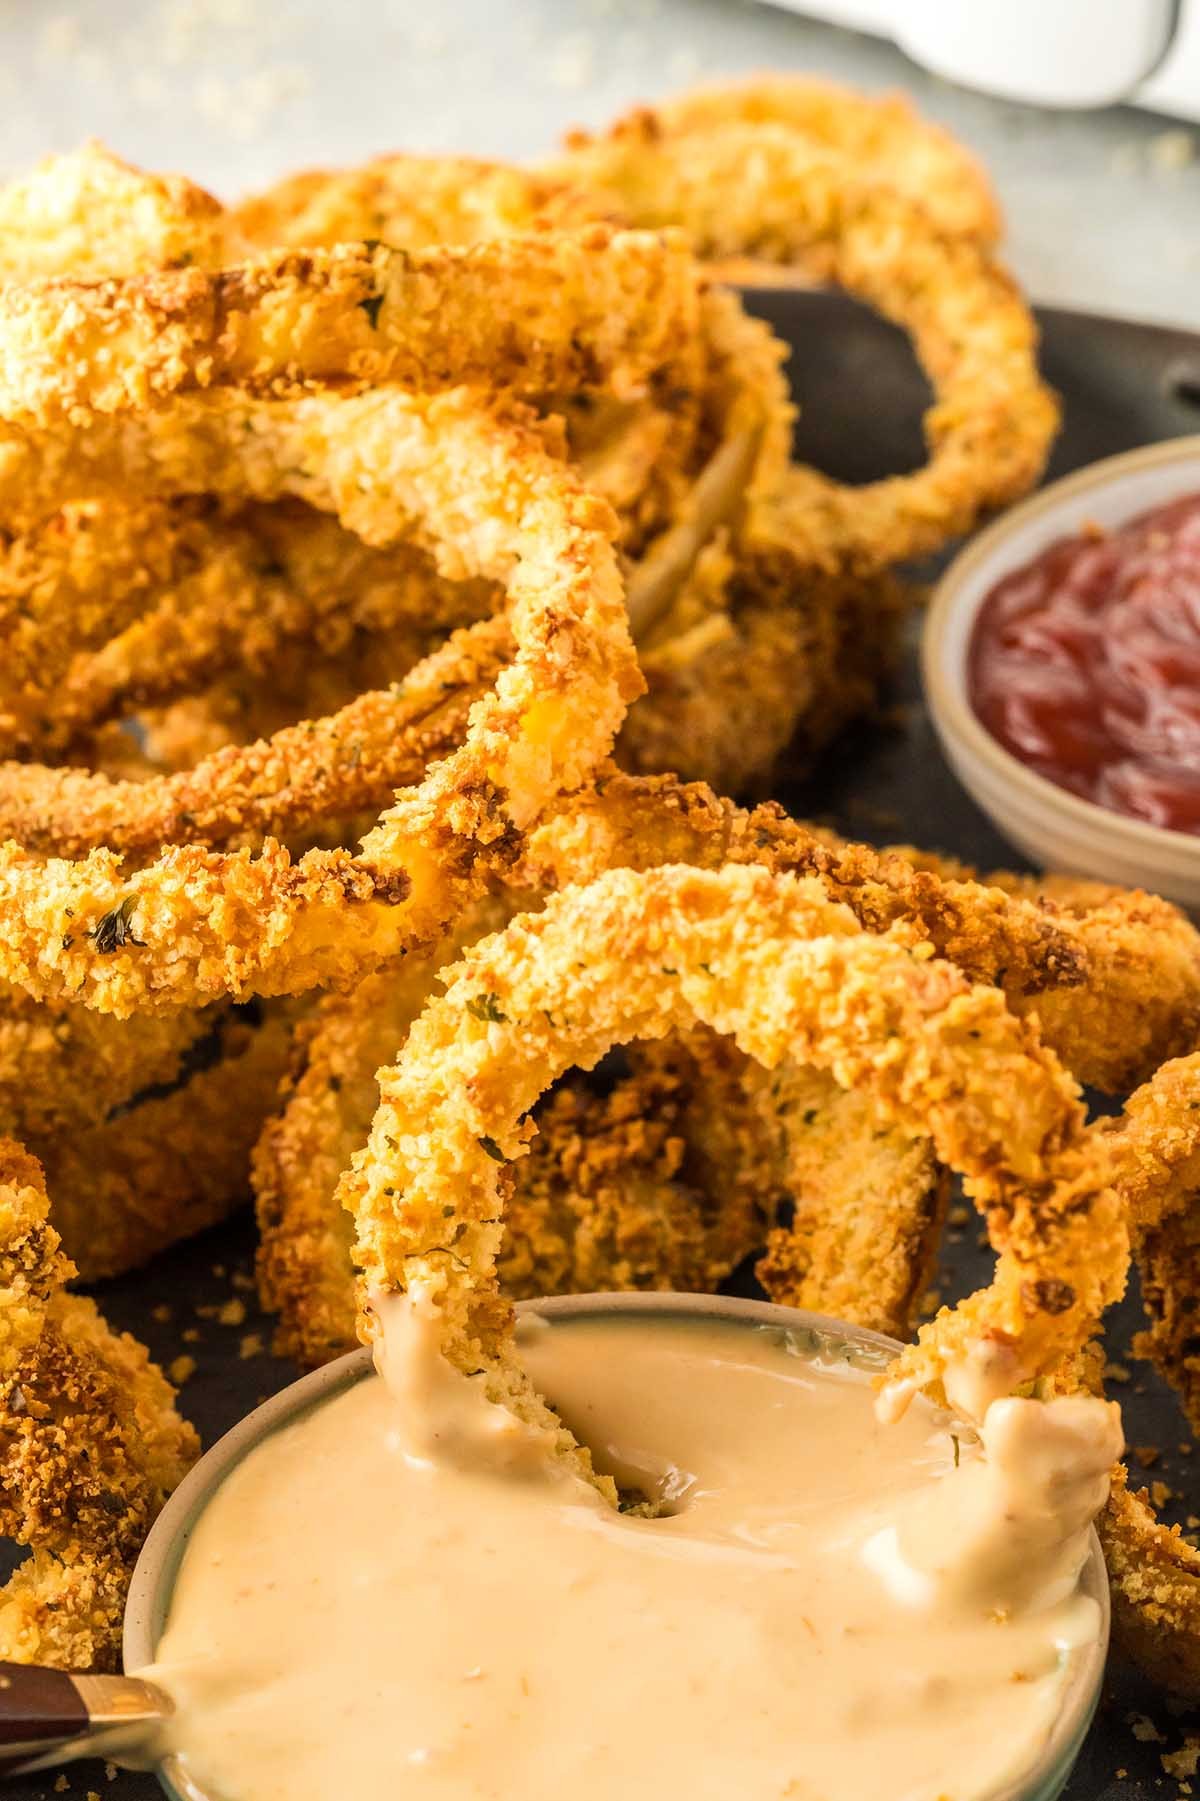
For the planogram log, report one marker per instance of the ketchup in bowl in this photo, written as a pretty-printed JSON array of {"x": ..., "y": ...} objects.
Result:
[{"x": 1085, "y": 664}]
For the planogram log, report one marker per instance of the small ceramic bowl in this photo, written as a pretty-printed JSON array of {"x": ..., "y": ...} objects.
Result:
[
  {"x": 158, "y": 1566},
  {"x": 1058, "y": 830}
]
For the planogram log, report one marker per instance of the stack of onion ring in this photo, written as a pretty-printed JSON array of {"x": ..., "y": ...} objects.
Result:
[{"x": 356, "y": 498}]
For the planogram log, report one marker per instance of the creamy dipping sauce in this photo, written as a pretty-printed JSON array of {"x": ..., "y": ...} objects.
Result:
[{"x": 365, "y": 1610}]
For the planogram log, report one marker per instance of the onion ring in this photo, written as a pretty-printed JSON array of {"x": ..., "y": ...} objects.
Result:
[
  {"x": 880, "y": 135},
  {"x": 598, "y": 308},
  {"x": 1153, "y": 1571},
  {"x": 1074, "y": 970},
  {"x": 485, "y": 496},
  {"x": 1154, "y": 1575},
  {"x": 787, "y": 971},
  {"x": 97, "y": 216},
  {"x": 382, "y": 740},
  {"x": 225, "y": 591},
  {"x": 90, "y": 1443},
  {"x": 62, "y": 1067},
  {"x": 992, "y": 420},
  {"x": 663, "y": 1183},
  {"x": 172, "y": 1165},
  {"x": 414, "y": 201},
  {"x": 868, "y": 1203}
]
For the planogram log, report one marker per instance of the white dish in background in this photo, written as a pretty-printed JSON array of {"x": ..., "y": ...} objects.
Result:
[{"x": 1055, "y": 828}]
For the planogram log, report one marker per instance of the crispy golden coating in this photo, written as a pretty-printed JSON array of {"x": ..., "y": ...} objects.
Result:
[
  {"x": 172, "y": 1165},
  {"x": 302, "y": 571},
  {"x": 788, "y": 972},
  {"x": 412, "y": 201},
  {"x": 328, "y": 1101},
  {"x": 90, "y": 1443},
  {"x": 880, "y": 135},
  {"x": 1156, "y": 1149},
  {"x": 660, "y": 1183},
  {"x": 1139, "y": 1003},
  {"x": 1115, "y": 986},
  {"x": 97, "y": 216},
  {"x": 761, "y": 188},
  {"x": 759, "y": 654},
  {"x": 593, "y": 309},
  {"x": 62, "y": 1067},
  {"x": 317, "y": 766},
  {"x": 477, "y": 485},
  {"x": 665, "y": 1181},
  {"x": 114, "y": 608},
  {"x": 1154, "y": 1576},
  {"x": 869, "y": 1202}
]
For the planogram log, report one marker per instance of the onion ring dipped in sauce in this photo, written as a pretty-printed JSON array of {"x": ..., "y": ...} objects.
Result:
[
  {"x": 698, "y": 1640},
  {"x": 1085, "y": 665},
  {"x": 977, "y": 1546},
  {"x": 997, "y": 1104}
]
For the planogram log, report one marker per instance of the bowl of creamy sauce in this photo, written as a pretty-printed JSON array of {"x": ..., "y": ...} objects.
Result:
[
  {"x": 796, "y": 1600},
  {"x": 1061, "y": 663}
]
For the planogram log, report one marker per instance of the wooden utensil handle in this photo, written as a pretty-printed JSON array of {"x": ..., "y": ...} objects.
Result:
[{"x": 38, "y": 1709}]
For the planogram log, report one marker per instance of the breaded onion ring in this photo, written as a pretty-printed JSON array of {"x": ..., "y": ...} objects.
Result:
[
  {"x": 1083, "y": 974},
  {"x": 107, "y": 608},
  {"x": 882, "y": 136},
  {"x": 1156, "y": 1150},
  {"x": 665, "y": 1182},
  {"x": 477, "y": 486},
  {"x": 760, "y": 189},
  {"x": 90, "y": 1443},
  {"x": 63, "y": 1067},
  {"x": 412, "y": 201},
  {"x": 1154, "y": 1576},
  {"x": 868, "y": 1204},
  {"x": 597, "y": 308},
  {"x": 1139, "y": 1002},
  {"x": 172, "y": 1165},
  {"x": 1153, "y": 1571},
  {"x": 785, "y": 970},
  {"x": 784, "y": 622},
  {"x": 97, "y": 216}
]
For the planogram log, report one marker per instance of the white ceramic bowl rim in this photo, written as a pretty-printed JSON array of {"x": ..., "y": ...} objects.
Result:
[
  {"x": 949, "y": 689},
  {"x": 153, "y": 1579}
]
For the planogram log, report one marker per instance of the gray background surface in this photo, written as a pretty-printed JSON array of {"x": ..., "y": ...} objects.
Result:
[{"x": 1103, "y": 207}]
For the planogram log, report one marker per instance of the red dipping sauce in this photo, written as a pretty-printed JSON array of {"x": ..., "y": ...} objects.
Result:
[{"x": 1085, "y": 664}]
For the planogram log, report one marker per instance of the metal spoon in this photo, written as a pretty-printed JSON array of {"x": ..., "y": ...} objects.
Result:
[{"x": 54, "y": 1716}]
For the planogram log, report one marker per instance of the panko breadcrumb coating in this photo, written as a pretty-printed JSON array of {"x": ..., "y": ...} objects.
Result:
[
  {"x": 788, "y": 972},
  {"x": 763, "y": 190},
  {"x": 411, "y": 201},
  {"x": 868, "y": 1202},
  {"x": 90, "y": 1443},
  {"x": 490, "y": 501},
  {"x": 1112, "y": 975},
  {"x": 881, "y": 136},
  {"x": 596, "y": 308},
  {"x": 172, "y": 1165},
  {"x": 92, "y": 213}
]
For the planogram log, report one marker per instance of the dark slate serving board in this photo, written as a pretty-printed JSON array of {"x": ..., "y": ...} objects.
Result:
[{"x": 861, "y": 397}]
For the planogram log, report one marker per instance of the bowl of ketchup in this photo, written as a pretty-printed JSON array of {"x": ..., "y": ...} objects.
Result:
[{"x": 1061, "y": 661}]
